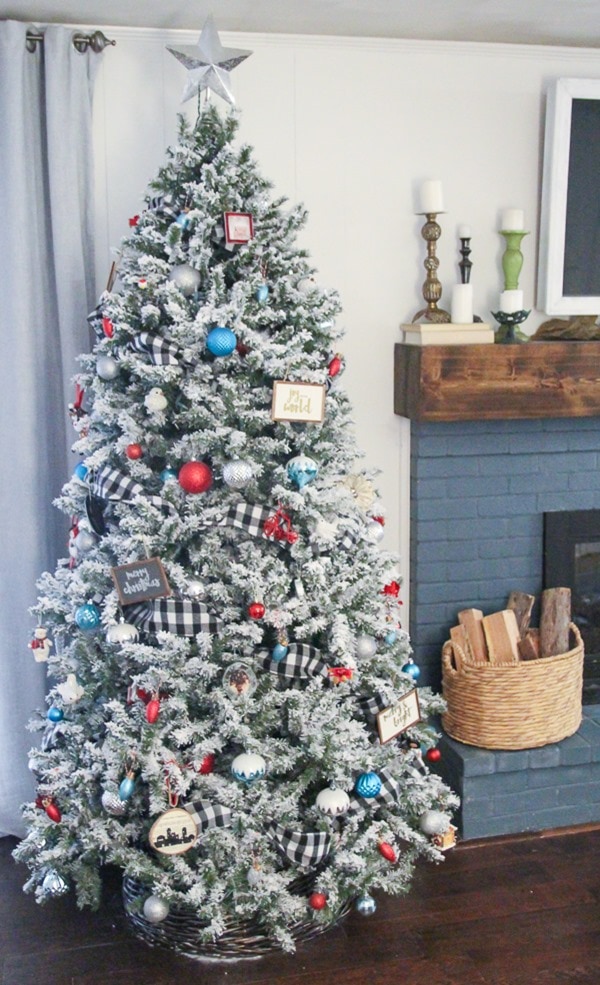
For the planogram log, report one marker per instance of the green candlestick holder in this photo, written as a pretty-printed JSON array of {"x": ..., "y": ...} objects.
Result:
[{"x": 512, "y": 261}]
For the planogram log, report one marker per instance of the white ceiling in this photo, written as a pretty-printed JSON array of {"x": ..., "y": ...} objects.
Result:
[{"x": 548, "y": 22}]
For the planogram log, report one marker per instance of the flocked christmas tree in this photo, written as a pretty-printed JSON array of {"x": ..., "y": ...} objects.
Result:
[{"x": 232, "y": 713}]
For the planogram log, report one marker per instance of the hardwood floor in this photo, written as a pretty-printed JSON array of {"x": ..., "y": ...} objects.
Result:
[{"x": 514, "y": 911}]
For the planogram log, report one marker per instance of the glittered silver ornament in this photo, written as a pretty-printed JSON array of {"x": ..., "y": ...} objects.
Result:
[
  {"x": 209, "y": 63},
  {"x": 85, "y": 540},
  {"x": 156, "y": 909},
  {"x": 186, "y": 278},
  {"x": 195, "y": 588},
  {"x": 366, "y": 905},
  {"x": 53, "y": 884},
  {"x": 332, "y": 801},
  {"x": 107, "y": 368},
  {"x": 237, "y": 473},
  {"x": 122, "y": 632},
  {"x": 113, "y": 804},
  {"x": 434, "y": 822},
  {"x": 366, "y": 646}
]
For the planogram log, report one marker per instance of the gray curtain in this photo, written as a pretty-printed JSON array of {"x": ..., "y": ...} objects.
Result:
[{"x": 46, "y": 292}]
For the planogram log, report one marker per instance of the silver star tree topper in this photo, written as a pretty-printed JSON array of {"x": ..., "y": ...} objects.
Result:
[{"x": 209, "y": 63}]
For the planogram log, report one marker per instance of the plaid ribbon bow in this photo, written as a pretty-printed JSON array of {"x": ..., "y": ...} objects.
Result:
[
  {"x": 387, "y": 796},
  {"x": 247, "y": 517},
  {"x": 162, "y": 351},
  {"x": 305, "y": 849},
  {"x": 112, "y": 484},
  {"x": 301, "y": 661},
  {"x": 182, "y": 617},
  {"x": 207, "y": 815}
]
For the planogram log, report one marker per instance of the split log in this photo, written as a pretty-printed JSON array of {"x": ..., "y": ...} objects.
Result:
[
  {"x": 554, "y": 621},
  {"x": 522, "y": 605},
  {"x": 529, "y": 646},
  {"x": 502, "y": 637},
  {"x": 471, "y": 619},
  {"x": 460, "y": 645}
]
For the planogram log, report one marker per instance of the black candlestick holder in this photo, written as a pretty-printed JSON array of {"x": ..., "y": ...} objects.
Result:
[{"x": 465, "y": 264}]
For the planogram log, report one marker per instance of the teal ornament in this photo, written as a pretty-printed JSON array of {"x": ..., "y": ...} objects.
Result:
[
  {"x": 248, "y": 767},
  {"x": 301, "y": 470},
  {"x": 279, "y": 652},
  {"x": 183, "y": 220},
  {"x": 126, "y": 787},
  {"x": 221, "y": 341},
  {"x": 55, "y": 714},
  {"x": 412, "y": 670},
  {"x": 87, "y": 617},
  {"x": 391, "y": 637},
  {"x": 366, "y": 905},
  {"x": 262, "y": 293},
  {"x": 368, "y": 785},
  {"x": 167, "y": 474},
  {"x": 81, "y": 472}
]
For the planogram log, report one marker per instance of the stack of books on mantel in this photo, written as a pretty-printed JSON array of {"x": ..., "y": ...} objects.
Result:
[{"x": 446, "y": 333}]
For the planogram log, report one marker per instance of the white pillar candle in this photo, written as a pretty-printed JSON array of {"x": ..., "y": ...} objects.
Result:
[
  {"x": 432, "y": 199},
  {"x": 464, "y": 232},
  {"x": 461, "y": 305},
  {"x": 511, "y": 301},
  {"x": 512, "y": 219}
]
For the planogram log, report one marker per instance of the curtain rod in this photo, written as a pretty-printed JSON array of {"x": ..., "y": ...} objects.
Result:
[{"x": 96, "y": 41}]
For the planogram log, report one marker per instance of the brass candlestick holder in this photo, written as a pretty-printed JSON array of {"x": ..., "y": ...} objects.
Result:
[{"x": 432, "y": 288}]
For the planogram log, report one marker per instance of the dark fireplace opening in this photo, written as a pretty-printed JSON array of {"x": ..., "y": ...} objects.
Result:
[{"x": 572, "y": 560}]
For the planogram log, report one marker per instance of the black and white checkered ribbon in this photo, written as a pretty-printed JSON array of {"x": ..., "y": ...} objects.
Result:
[
  {"x": 207, "y": 815},
  {"x": 247, "y": 517},
  {"x": 52, "y": 736},
  {"x": 182, "y": 617},
  {"x": 112, "y": 484},
  {"x": 162, "y": 205},
  {"x": 371, "y": 706},
  {"x": 94, "y": 320},
  {"x": 162, "y": 351},
  {"x": 387, "y": 796},
  {"x": 301, "y": 661},
  {"x": 305, "y": 849}
]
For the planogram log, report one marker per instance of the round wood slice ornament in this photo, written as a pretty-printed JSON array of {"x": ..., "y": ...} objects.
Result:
[{"x": 174, "y": 832}]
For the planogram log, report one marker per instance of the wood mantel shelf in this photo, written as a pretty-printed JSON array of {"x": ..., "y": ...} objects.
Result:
[{"x": 497, "y": 382}]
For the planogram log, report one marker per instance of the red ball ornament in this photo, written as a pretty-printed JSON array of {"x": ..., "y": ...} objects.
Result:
[
  {"x": 335, "y": 365},
  {"x": 433, "y": 755},
  {"x": 208, "y": 764},
  {"x": 152, "y": 710},
  {"x": 134, "y": 451},
  {"x": 387, "y": 851},
  {"x": 256, "y": 610},
  {"x": 195, "y": 477},
  {"x": 318, "y": 901}
]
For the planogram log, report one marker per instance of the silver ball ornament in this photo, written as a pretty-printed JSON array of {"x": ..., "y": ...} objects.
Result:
[
  {"x": 366, "y": 646},
  {"x": 186, "y": 278},
  {"x": 332, "y": 801},
  {"x": 366, "y": 905},
  {"x": 113, "y": 804},
  {"x": 53, "y": 884},
  {"x": 195, "y": 588},
  {"x": 374, "y": 532},
  {"x": 107, "y": 368},
  {"x": 85, "y": 540},
  {"x": 122, "y": 632},
  {"x": 434, "y": 822},
  {"x": 237, "y": 473},
  {"x": 156, "y": 909}
]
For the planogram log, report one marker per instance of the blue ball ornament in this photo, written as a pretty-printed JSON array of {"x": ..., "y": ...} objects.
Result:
[
  {"x": 279, "y": 651},
  {"x": 81, "y": 471},
  {"x": 412, "y": 670},
  {"x": 167, "y": 474},
  {"x": 366, "y": 905},
  {"x": 221, "y": 341},
  {"x": 87, "y": 617},
  {"x": 262, "y": 293},
  {"x": 55, "y": 714},
  {"x": 126, "y": 787},
  {"x": 301, "y": 470},
  {"x": 368, "y": 785},
  {"x": 391, "y": 637},
  {"x": 183, "y": 220}
]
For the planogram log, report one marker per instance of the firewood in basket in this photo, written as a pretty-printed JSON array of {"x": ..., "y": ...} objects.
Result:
[
  {"x": 460, "y": 645},
  {"x": 554, "y": 621},
  {"x": 471, "y": 619},
  {"x": 522, "y": 604},
  {"x": 529, "y": 646},
  {"x": 502, "y": 636}
]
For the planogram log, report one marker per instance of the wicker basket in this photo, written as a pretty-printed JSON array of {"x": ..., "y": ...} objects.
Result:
[
  {"x": 513, "y": 706},
  {"x": 181, "y": 929}
]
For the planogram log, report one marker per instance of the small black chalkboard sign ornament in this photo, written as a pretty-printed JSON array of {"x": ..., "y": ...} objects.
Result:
[{"x": 140, "y": 581}]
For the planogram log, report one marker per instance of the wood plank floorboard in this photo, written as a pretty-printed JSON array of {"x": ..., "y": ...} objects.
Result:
[{"x": 513, "y": 911}]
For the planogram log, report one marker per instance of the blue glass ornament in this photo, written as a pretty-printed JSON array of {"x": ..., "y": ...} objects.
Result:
[
  {"x": 126, "y": 788},
  {"x": 80, "y": 472},
  {"x": 262, "y": 293},
  {"x": 55, "y": 714},
  {"x": 87, "y": 616},
  {"x": 366, "y": 905},
  {"x": 167, "y": 474},
  {"x": 391, "y": 637},
  {"x": 183, "y": 220},
  {"x": 221, "y": 341},
  {"x": 301, "y": 470},
  {"x": 368, "y": 785},
  {"x": 412, "y": 670},
  {"x": 279, "y": 651}
]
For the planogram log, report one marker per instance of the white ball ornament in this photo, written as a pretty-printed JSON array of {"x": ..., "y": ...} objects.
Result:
[
  {"x": 366, "y": 646},
  {"x": 85, "y": 540},
  {"x": 237, "y": 474},
  {"x": 186, "y": 278},
  {"x": 107, "y": 368},
  {"x": 254, "y": 875},
  {"x": 434, "y": 822},
  {"x": 155, "y": 400},
  {"x": 122, "y": 632},
  {"x": 374, "y": 532},
  {"x": 156, "y": 909},
  {"x": 248, "y": 767},
  {"x": 333, "y": 802}
]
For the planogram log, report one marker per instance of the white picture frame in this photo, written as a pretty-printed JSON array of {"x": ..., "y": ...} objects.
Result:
[
  {"x": 394, "y": 720},
  {"x": 301, "y": 402},
  {"x": 552, "y": 297}
]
